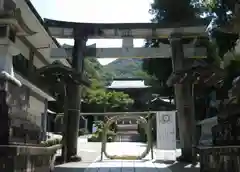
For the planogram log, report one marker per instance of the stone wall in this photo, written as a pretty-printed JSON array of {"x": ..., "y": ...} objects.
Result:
[
  {"x": 220, "y": 158},
  {"x": 25, "y": 111},
  {"x": 27, "y": 158}
]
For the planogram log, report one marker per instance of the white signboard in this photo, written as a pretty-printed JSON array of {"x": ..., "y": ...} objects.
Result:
[{"x": 166, "y": 135}]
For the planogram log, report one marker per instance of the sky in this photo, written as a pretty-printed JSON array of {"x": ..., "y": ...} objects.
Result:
[{"x": 96, "y": 11}]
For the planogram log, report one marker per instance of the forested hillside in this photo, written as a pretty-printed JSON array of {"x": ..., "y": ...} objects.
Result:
[
  {"x": 120, "y": 68},
  {"x": 124, "y": 68},
  {"x": 95, "y": 70},
  {"x": 96, "y": 98}
]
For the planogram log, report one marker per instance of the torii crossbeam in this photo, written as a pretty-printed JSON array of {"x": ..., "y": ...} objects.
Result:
[
  {"x": 128, "y": 32},
  {"x": 63, "y": 29}
]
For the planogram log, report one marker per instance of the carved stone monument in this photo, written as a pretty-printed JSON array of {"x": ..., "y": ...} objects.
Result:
[{"x": 166, "y": 135}]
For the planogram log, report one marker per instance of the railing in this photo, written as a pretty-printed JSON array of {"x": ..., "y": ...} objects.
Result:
[{"x": 27, "y": 158}]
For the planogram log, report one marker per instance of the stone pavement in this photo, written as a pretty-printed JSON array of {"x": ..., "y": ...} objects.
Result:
[
  {"x": 127, "y": 166},
  {"x": 89, "y": 151},
  {"x": 123, "y": 149}
]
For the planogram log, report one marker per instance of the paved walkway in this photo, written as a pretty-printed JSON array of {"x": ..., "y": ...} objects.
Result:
[
  {"x": 124, "y": 149},
  {"x": 127, "y": 166}
]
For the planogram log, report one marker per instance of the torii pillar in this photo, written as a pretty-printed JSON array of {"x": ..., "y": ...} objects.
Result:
[
  {"x": 74, "y": 93},
  {"x": 184, "y": 101}
]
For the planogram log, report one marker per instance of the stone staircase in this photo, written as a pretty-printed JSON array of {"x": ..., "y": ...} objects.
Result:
[{"x": 127, "y": 133}]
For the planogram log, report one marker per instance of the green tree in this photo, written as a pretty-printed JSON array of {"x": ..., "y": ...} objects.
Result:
[
  {"x": 166, "y": 12},
  {"x": 119, "y": 100},
  {"x": 108, "y": 100},
  {"x": 96, "y": 95},
  {"x": 218, "y": 44}
]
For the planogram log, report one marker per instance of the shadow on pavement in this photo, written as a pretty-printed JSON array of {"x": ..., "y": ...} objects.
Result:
[
  {"x": 180, "y": 166},
  {"x": 72, "y": 167},
  {"x": 112, "y": 169}
]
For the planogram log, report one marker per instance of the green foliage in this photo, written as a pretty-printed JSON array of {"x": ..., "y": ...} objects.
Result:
[
  {"x": 170, "y": 10},
  {"x": 97, "y": 96},
  {"x": 95, "y": 70},
  {"x": 97, "y": 136},
  {"x": 160, "y": 70},
  {"x": 148, "y": 79},
  {"x": 82, "y": 132},
  {"x": 218, "y": 44},
  {"x": 166, "y": 11},
  {"x": 108, "y": 99},
  {"x": 211, "y": 4},
  {"x": 220, "y": 8},
  {"x": 51, "y": 142},
  {"x": 132, "y": 68},
  {"x": 222, "y": 34}
]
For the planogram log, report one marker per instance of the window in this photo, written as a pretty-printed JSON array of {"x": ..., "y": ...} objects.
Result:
[{"x": 20, "y": 64}]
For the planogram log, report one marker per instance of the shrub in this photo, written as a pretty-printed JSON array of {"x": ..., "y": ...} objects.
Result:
[
  {"x": 97, "y": 136},
  {"x": 83, "y": 131},
  {"x": 51, "y": 142},
  {"x": 94, "y": 138}
]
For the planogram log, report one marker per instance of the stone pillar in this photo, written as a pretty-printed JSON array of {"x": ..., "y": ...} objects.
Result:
[
  {"x": 183, "y": 97},
  {"x": 75, "y": 92},
  {"x": 7, "y": 50},
  {"x": 4, "y": 118}
]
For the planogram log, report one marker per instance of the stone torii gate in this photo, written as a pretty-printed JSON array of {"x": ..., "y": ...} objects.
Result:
[{"x": 81, "y": 32}]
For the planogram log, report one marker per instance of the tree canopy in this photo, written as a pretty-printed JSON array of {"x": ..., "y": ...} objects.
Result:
[
  {"x": 108, "y": 100},
  {"x": 219, "y": 42}
]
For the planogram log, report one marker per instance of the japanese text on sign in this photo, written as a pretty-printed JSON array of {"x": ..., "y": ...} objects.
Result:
[{"x": 123, "y": 32}]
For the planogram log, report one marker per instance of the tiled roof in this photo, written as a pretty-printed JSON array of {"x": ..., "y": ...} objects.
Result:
[{"x": 121, "y": 84}]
